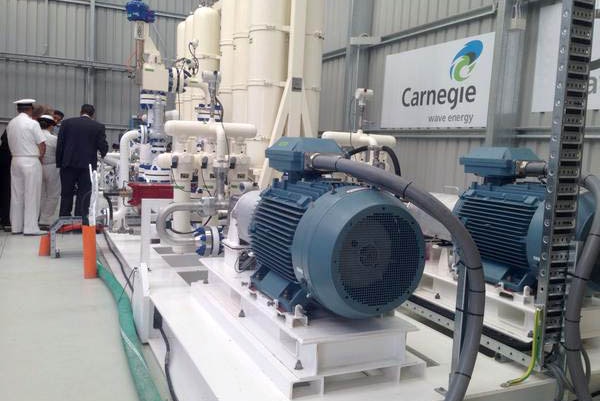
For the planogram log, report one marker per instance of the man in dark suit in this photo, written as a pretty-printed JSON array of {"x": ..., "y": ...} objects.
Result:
[
  {"x": 79, "y": 140},
  {"x": 5, "y": 160}
]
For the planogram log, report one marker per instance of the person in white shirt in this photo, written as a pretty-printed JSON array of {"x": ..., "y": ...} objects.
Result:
[
  {"x": 51, "y": 175},
  {"x": 27, "y": 144}
]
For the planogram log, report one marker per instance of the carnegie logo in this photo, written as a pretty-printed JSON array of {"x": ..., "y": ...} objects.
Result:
[
  {"x": 465, "y": 61},
  {"x": 462, "y": 67}
]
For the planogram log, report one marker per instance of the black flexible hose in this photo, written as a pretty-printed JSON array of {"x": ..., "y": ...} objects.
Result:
[
  {"x": 394, "y": 159},
  {"x": 386, "y": 149},
  {"x": 579, "y": 279},
  {"x": 168, "y": 365},
  {"x": 357, "y": 150},
  {"x": 469, "y": 256},
  {"x": 110, "y": 206},
  {"x": 110, "y": 248}
]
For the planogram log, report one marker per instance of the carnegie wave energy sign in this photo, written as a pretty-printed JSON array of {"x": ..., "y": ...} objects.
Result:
[{"x": 442, "y": 86}]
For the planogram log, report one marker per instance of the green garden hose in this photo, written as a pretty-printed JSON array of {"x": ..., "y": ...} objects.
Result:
[{"x": 144, "y": 385}]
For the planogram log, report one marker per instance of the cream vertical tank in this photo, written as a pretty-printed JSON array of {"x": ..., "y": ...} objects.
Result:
[
  {"x": 186, "y": 111},
  {"x": 267, "y": 61},
  {"x": 227, "y": 60},
  {"x": 206, "y": 36},
  {"x": 267, "y": 69},
  {"x": 240, "y": 66},
  {"x": 180, "y": 40},
  {"x": 313, "y": 63}
]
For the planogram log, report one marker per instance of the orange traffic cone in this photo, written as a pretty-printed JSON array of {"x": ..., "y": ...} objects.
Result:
[
  {"x": 44, "y": 245},
  {"x": 90, "y": 269}
]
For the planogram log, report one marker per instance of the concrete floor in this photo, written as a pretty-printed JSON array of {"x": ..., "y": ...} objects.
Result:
[{"x": 59, "y": 333}]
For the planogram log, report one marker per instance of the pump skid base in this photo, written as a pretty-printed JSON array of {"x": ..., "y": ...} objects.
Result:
[
  {"x": 507, "y": 312},
  {"x": 306, "y": 357}
]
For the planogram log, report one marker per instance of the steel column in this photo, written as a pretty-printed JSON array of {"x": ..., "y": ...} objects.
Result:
[
  {"x": 505, "y": 99},
  {"x": 91, "y": 56},
  {"x": 357, "y": 58},
  {"x": 558, "y": 257}
]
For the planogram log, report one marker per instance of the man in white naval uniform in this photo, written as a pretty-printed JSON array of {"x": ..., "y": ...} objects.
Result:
[{"x": 26, "y": 142}]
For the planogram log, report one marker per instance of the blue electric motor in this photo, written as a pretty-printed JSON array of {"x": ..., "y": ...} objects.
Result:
[
  {"x": 505, "y": 217},
  {"x": 354, "y": 250},
  {"x": 137, "y": 10}
]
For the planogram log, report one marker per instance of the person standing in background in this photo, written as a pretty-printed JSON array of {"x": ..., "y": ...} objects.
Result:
[
  {"x": 27, "y": 144},
  {"x": 79, "y": 141},
  {"x": 38, "y": 111},
  {"x": 51, "y": 175},
  {"x": 58, "y": 117},
  {"x": 5, "y": 159}
]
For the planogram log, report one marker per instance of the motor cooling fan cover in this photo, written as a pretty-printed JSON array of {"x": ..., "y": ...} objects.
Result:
[{"x": 359, "y": 252}]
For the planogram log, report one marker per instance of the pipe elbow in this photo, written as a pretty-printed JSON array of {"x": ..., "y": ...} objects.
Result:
[{"x": 161, "y": 224}]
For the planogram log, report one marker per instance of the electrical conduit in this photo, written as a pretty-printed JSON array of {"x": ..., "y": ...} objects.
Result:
[{"x": 579, "y": 279}]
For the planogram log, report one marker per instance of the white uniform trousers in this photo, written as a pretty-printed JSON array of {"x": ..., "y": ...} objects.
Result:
[
  {"x": 26, "y": 189},
  {"x": 50, "y": 194}
]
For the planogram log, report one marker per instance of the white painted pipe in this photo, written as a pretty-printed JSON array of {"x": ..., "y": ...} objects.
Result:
[
  {"x": 172, "y": 115},
  {"x": 112, "y": 160},
  {"x": 124, "y": 156},
  {"x": 186, "y": 129},
  {"x": 202, "y": 87},
  {"x": 221, "y": 143},
  {"x": 109, "y": 161},
  {"x": 123, "y": 179},
  {"x": 359, "y": 138}
]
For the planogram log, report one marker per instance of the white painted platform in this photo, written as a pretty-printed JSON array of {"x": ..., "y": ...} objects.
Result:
[{"x": 210, "y": 364}]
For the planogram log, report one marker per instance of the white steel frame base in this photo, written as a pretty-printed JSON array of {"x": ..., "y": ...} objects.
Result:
[
  {"x": 507, "y": 312},
  {"x": 306, "y": 358},
  {"x": 210, "y": 362}
]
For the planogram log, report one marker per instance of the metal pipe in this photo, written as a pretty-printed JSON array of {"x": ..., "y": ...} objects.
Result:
[
  {"x": 186, "y": 129},
  {"x": 124, "y": 156},
  {"x": 47, "y": 44},
  {"x": 161, "y": 223},
  {"x": 90, "y": 86},
  {"x": 111, "y": 161},
  {"x": 123, "y": 177},
  {"x": 121, "y": 8},
  {"x": 67, "y": 62},
  {"x": 469, "y": 16},
  {"x": 359, "y": 139},
  {"x": 532, "y": 168}
]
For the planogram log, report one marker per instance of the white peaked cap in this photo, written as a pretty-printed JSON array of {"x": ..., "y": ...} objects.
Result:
[{"x": 24, "y": 101}]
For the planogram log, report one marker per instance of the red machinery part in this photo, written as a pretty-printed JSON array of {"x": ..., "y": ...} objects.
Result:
[{"x": 142, "y": 190}]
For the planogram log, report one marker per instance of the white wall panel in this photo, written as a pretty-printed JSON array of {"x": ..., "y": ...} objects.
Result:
[
  {"x": 24, "y": 30},
  {"x": 433, "y": 163},
  {"x": 336, "y": 24}
]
